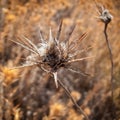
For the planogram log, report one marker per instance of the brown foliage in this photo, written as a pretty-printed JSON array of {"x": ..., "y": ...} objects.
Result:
[{"x": 30, "y": 93}]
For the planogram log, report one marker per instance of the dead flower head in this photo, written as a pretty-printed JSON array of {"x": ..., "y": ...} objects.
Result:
[
  {"x": 104, "y": 14},
  {"x": 53, "y": 54}
]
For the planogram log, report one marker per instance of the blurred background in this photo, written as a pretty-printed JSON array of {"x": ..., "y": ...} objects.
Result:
[{"x": 30, "y": 93}]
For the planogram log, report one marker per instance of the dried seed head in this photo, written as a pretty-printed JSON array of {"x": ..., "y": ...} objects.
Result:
[
  {"x": 51, "y": 55},
  {"x": 104, "y": 14}
]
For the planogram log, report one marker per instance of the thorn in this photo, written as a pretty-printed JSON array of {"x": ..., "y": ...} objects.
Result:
[
  {"x": 77, "y": 60},
  {"x": 50, "y": 36},
  {"x": 55, "y": 78},
  {"x": 41, "y": 37},
  {"x": 59, "y": 30}
]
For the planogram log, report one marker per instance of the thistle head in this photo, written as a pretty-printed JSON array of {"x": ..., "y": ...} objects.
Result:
[
  {"x": 52, "y": 54},
  {"x": 104, "y": 14}
]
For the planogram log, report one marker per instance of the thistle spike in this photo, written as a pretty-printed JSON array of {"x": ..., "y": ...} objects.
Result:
[
  {"x": 50, "y": 36},
  {"x": 41, "y": 37},
  {"x": 55, "y": 78}
]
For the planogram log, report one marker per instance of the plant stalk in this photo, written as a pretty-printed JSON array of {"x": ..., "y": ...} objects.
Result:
[{"x": 73, "y": 100}]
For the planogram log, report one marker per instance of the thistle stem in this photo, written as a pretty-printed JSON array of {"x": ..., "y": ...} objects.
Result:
[
  {"x": 112, "y": 66},
  {"x": 72, "y": 99}
]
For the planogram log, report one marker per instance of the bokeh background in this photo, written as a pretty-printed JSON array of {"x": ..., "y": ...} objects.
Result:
[{"x": 30, "y": 93}]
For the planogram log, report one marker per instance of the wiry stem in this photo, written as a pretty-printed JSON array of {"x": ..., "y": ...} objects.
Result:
[
  {"x": 106, "y": 17},
  {"x": 112, "y": 65},
  {"x": 73, "y": 100}
]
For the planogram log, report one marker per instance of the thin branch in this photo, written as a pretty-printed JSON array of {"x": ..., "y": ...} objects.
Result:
[
  {"x": 106, "y": 17},
  {"x": 73, "y": 100},
  {"x": 112, "y": 64}
]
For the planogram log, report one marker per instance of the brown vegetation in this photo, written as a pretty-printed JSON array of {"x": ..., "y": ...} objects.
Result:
[{"x": 30, "y": 93}]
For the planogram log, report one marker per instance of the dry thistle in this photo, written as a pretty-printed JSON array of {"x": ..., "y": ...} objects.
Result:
[
  {"x": 106, "y": 17},
  {"x": 51, "y": 55},
  {"x": 104, "y": 14}
]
